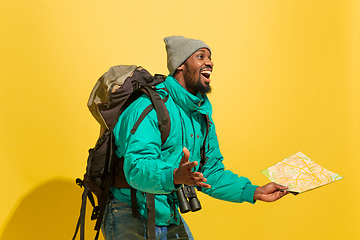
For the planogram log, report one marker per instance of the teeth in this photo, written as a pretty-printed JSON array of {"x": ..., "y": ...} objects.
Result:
[{"x": 206, "y": 72}]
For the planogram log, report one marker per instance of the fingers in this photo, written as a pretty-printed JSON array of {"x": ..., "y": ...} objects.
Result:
[
  {"x": 189, "y": 165},
  {"x": 273, "y": 187},
  {"x": 186, "y": 156},
  {"x": 280, "y": 187},
  {"x": 280, "y": 194},
  {"x": 185, "y": 175},
  {"x": 189, "y": 178},
  {"x": 186, "y": 151},
  {"x": 204, "y": 185},
  {"x": 184, "y": 163},
  {"x": 281, "y": 191},
  {"x": 198, "y": 182},
  {"x": 195, "y": 177}
]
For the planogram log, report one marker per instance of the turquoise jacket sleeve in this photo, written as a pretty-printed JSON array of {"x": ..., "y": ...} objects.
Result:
[{"x": 142, "y": 151}]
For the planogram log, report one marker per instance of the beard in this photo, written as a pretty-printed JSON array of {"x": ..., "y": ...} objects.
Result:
[
  {"x": 202, "y": 88},
  {"x": 198, "y": 85}
]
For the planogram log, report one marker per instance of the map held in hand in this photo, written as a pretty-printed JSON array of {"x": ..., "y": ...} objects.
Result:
[{"x": 300, "y": 174}]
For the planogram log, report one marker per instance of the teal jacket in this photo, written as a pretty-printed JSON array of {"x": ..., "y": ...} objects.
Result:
[{"x": 149, "y": 165}]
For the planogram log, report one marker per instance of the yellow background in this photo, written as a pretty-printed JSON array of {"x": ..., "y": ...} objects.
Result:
[{"x": 286, "y": 79}]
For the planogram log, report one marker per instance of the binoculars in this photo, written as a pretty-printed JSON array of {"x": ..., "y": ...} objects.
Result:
[{"x": 184, "y": 193}]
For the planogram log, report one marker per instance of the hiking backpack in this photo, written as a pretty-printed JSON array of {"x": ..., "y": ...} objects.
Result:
[{"x": 114, "y": 91}]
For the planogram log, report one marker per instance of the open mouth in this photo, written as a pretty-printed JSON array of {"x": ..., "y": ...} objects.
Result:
[{"x": 206, "y": 74}]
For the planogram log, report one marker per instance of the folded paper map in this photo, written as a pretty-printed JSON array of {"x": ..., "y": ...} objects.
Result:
[{"x": 300, "y": 174}]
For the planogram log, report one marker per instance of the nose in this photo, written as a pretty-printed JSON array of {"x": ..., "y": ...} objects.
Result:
[{"x": 209, "y": 63}]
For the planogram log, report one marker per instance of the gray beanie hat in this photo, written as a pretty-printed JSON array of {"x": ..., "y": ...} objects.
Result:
[{"x": 179, "y": 49}]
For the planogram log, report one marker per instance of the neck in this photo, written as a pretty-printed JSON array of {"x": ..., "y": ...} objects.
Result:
[{"x": 180, "y": 78}]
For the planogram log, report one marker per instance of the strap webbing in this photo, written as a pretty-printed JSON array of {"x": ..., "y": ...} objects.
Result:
[
  {"x": 162, "y": 114},
  {"x": 141, "y": 118},
  {"x": 135, "y": 213},
  {"x": 81, "y": 220},
  {"x": 150, "y": 202},
  {"x": 159, "y": 106}
]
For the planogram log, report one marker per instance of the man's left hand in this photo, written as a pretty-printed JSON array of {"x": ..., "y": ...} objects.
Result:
[{"x": 270, "y": 192}]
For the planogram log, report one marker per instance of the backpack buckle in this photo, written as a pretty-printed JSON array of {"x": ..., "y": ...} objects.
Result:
[
  {"x": 79, "y": 182},
  {"x": 95, "y": 213}
]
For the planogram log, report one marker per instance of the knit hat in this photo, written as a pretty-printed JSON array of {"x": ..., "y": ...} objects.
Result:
[{"x": 179, "y": 49}]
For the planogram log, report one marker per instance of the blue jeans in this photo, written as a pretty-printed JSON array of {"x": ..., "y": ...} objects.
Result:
[{"x": 118, "y": 223}]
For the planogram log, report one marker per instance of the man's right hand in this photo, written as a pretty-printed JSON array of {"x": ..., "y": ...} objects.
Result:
[
  {"x": 270, "y": 192},
  {"x": 184, "y": 175}
]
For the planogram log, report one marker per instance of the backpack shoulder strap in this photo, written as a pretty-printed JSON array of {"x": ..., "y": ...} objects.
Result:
[
  {"x": 150, "y": 204},
  {"x": 162, "y": 113}
]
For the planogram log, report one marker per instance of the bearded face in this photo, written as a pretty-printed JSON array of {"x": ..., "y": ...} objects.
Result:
[{"x": 196, "y": 72}]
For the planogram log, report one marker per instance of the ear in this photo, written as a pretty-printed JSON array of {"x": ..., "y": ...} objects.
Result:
[{"x": 180, "y": 68}]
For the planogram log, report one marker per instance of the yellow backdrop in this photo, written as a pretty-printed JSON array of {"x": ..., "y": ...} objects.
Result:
[{"x": 286, "y": 79}]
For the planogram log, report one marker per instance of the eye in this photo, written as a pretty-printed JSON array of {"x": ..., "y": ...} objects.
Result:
[{"x": 200, "y": 56}]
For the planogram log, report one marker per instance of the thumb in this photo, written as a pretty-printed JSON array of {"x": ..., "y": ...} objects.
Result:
[
  {"x": 278, "y": 186},
  {"x": 186, "y": 156}
]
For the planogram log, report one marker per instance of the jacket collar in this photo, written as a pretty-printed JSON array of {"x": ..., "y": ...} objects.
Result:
[{"x": 186, "y": 100}]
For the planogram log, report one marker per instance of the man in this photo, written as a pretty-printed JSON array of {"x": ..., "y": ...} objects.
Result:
[{"x": 151, "y": 167}]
